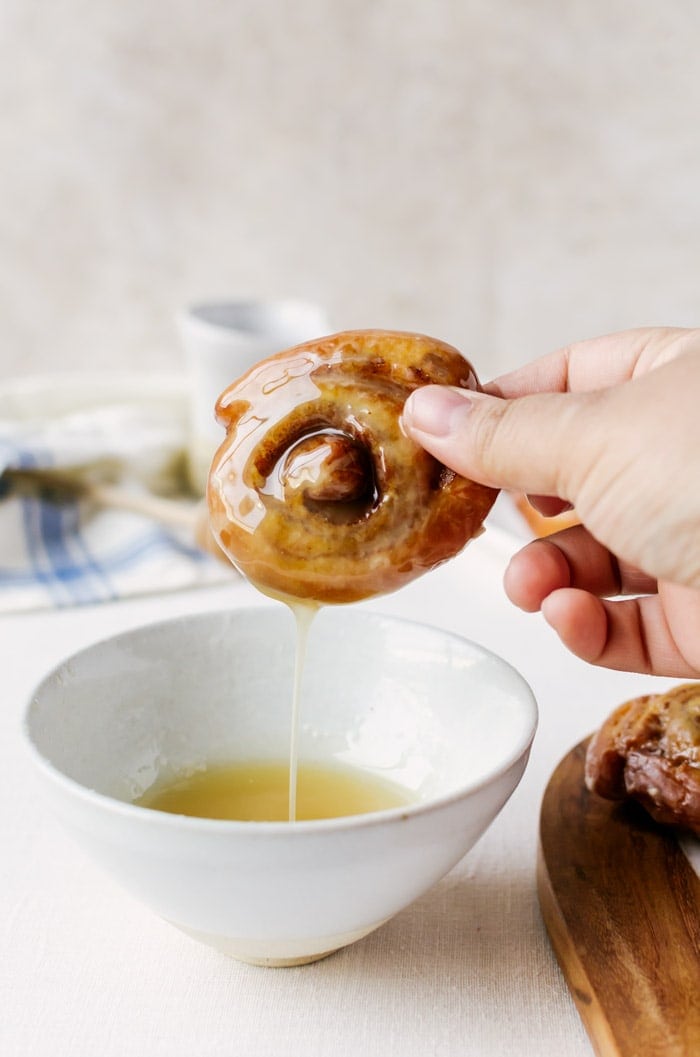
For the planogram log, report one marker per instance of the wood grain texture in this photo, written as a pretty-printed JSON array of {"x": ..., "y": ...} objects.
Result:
[{"x": 621, "y": 905}]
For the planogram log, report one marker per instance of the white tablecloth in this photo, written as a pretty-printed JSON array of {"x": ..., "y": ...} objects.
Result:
[{"x": 85, "y": 971}]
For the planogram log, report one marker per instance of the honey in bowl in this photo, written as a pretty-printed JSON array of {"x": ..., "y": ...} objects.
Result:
[{"x": 258, "y": 791}]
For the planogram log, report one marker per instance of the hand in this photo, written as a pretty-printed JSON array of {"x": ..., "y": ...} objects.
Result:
[{"x": 612, "y": 427}]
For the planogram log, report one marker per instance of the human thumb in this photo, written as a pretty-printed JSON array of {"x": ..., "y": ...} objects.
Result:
[{"x": 530, "y": 443}]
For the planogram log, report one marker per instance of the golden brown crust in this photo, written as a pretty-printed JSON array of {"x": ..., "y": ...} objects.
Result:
[
  {"x": 542, "y": 526},
  {"x": 649, "y": 750},
  {"x": 317, "y": 493}
]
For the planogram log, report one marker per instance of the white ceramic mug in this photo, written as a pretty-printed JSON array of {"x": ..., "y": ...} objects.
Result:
[{"x": 221, "y": 341}]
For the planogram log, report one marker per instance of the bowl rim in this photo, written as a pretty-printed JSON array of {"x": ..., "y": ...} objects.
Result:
[{"x": 258, "y": 829}]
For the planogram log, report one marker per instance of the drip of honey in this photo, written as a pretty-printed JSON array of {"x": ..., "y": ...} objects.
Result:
[
  {"x": 278, "y": 791},
  {"x": 258, "y": 791},
  {"x": 303, "y": 616}
]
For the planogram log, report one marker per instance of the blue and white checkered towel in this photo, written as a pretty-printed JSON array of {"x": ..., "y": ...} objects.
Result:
[{"x": 129, "y": 430}]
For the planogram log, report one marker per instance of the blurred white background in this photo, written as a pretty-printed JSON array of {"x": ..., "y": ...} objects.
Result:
[{"x": 506, "y": 175}]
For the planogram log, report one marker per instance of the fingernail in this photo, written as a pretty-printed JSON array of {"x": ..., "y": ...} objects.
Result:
[{"x": 430, "y": 410}]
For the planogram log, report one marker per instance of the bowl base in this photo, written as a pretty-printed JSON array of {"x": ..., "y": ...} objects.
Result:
[{"x": 280, "y": 954}]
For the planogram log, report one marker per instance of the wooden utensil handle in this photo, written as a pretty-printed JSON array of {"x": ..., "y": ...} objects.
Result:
[
  {"x": 621, "y": 904},
  {"x": 60, "y": 485},
  {"x": 174, "y": 512}
]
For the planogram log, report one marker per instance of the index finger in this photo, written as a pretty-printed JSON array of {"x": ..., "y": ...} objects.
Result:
[{"x": 594, "y": 364}]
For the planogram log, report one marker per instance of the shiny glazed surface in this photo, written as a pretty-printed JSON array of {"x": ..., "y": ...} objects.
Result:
[
  {"x": 316, "y": 492},
  {"x": 649, "y": 750}
]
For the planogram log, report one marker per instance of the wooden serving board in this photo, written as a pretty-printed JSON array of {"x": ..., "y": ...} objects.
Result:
[{"x": 621, "y": 904}]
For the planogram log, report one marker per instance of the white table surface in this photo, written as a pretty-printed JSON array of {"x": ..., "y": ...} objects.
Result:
[{"x": 85, "y": 971}]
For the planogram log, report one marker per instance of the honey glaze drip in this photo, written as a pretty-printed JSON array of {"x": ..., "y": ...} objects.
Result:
[
  {"x": 303, "y": 615},
  {"x": 319, "y": 496}
]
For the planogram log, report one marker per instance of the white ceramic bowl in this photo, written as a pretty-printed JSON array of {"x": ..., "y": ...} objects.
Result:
[{"x": 418, "y": 705}]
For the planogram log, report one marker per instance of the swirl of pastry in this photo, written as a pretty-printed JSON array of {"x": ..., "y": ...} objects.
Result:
[
  {"x": 316, "y": 493},
  {"x": 648, "y": 750}
]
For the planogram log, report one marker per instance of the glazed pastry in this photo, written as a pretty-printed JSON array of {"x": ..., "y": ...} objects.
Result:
[
  {"x": 317, "y": 493},
  {"x": 649, "y": 750}
]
